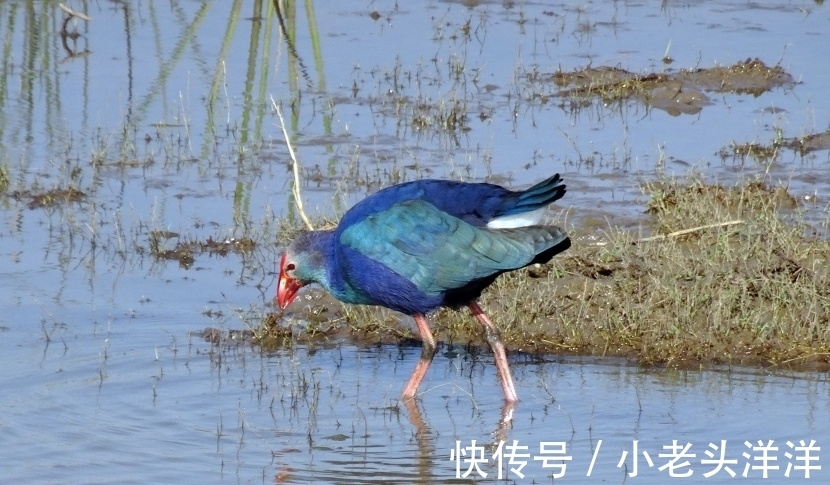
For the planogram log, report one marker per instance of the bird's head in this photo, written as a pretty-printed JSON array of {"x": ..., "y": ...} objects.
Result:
[
  {"x": 288, "y": 284},
  {"x": 301, "y": 264}
]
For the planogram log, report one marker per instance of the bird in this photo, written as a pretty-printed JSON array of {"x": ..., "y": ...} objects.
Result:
[{"x": 420, "y": 245}]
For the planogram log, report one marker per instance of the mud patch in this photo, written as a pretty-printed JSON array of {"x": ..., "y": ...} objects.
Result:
[
  {"x": 809, "y": 143},
  {"x": 765, "y": 153},
  {"x": 219, "y": 336},
  {"x": 185, "y": 251},
  {"x": 5, "y": 180},
  {"x": 756, "y": 151},
  {"x": 749, "y": 77},
  {"x": 36, "y": 199},
  {"x": 676, "y": 93}
]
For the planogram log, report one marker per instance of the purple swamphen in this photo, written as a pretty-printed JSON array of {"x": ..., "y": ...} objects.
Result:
[{"x": 420, "y": 245}]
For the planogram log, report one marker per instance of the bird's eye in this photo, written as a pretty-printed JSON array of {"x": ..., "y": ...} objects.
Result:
[{"x": 289, "y": 267}]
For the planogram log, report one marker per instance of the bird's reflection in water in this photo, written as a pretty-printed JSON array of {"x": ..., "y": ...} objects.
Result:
[{"x": 425, "y": 436}]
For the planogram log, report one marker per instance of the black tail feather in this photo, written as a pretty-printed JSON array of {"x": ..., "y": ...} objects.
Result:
[{"x": 538, "y": 196}]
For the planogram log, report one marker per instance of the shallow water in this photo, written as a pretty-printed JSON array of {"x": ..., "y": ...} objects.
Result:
[
  {"x": 160, "y": 113},
  {"x": 178, "y": 413}
]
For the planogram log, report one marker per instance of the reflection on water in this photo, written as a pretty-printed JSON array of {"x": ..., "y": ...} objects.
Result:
[{"x": 196, "y": 415}]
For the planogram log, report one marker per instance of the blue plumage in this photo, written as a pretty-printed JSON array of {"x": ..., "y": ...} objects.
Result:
[
  {"x": 474, "y": 203},
  {"x": 419, "y": 245},
  {"x": 416, "y": 246}
]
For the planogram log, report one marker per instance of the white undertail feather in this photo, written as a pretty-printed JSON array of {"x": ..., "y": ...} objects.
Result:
[{"x": 524, "y": 219}]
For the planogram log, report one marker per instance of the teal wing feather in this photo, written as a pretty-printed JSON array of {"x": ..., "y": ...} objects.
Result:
[{"x": 438, "y": 252}]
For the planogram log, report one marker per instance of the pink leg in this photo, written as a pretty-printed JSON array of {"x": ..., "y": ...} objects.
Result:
[
  {"x": 493, "y": 336},
  {"x": 427, "y": 353}
]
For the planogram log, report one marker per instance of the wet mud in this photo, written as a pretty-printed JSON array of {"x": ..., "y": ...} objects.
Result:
[
  {"x": 41, "y": 199},
  {"x": 185, "y": 251},
  {"x": 769, "y": 152},
  {"x": 676, "y": 93}
]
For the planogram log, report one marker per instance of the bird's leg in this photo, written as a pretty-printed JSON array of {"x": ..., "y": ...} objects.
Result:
[
  {"x": 493, "y": 336},
  {"x": 427, "y": 354}
]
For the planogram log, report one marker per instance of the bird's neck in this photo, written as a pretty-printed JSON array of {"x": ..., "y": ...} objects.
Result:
[
  {"x": 320, "y": 254},
  {"x": 329, "y": 271},
  {"x": 326, "y": 269}
]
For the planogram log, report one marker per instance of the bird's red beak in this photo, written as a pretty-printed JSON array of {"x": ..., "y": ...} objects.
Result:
[{"x": 287, "y": 288}]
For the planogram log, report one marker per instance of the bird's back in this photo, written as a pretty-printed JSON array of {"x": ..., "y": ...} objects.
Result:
[
  {"x": 419, "y": 245},
  {"x": 475, "y": 203}
]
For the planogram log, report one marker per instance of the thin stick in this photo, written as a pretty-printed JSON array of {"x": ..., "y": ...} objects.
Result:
[
  {"x": 688, "y": 231},
  {"x": 295, "y": 166}
]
